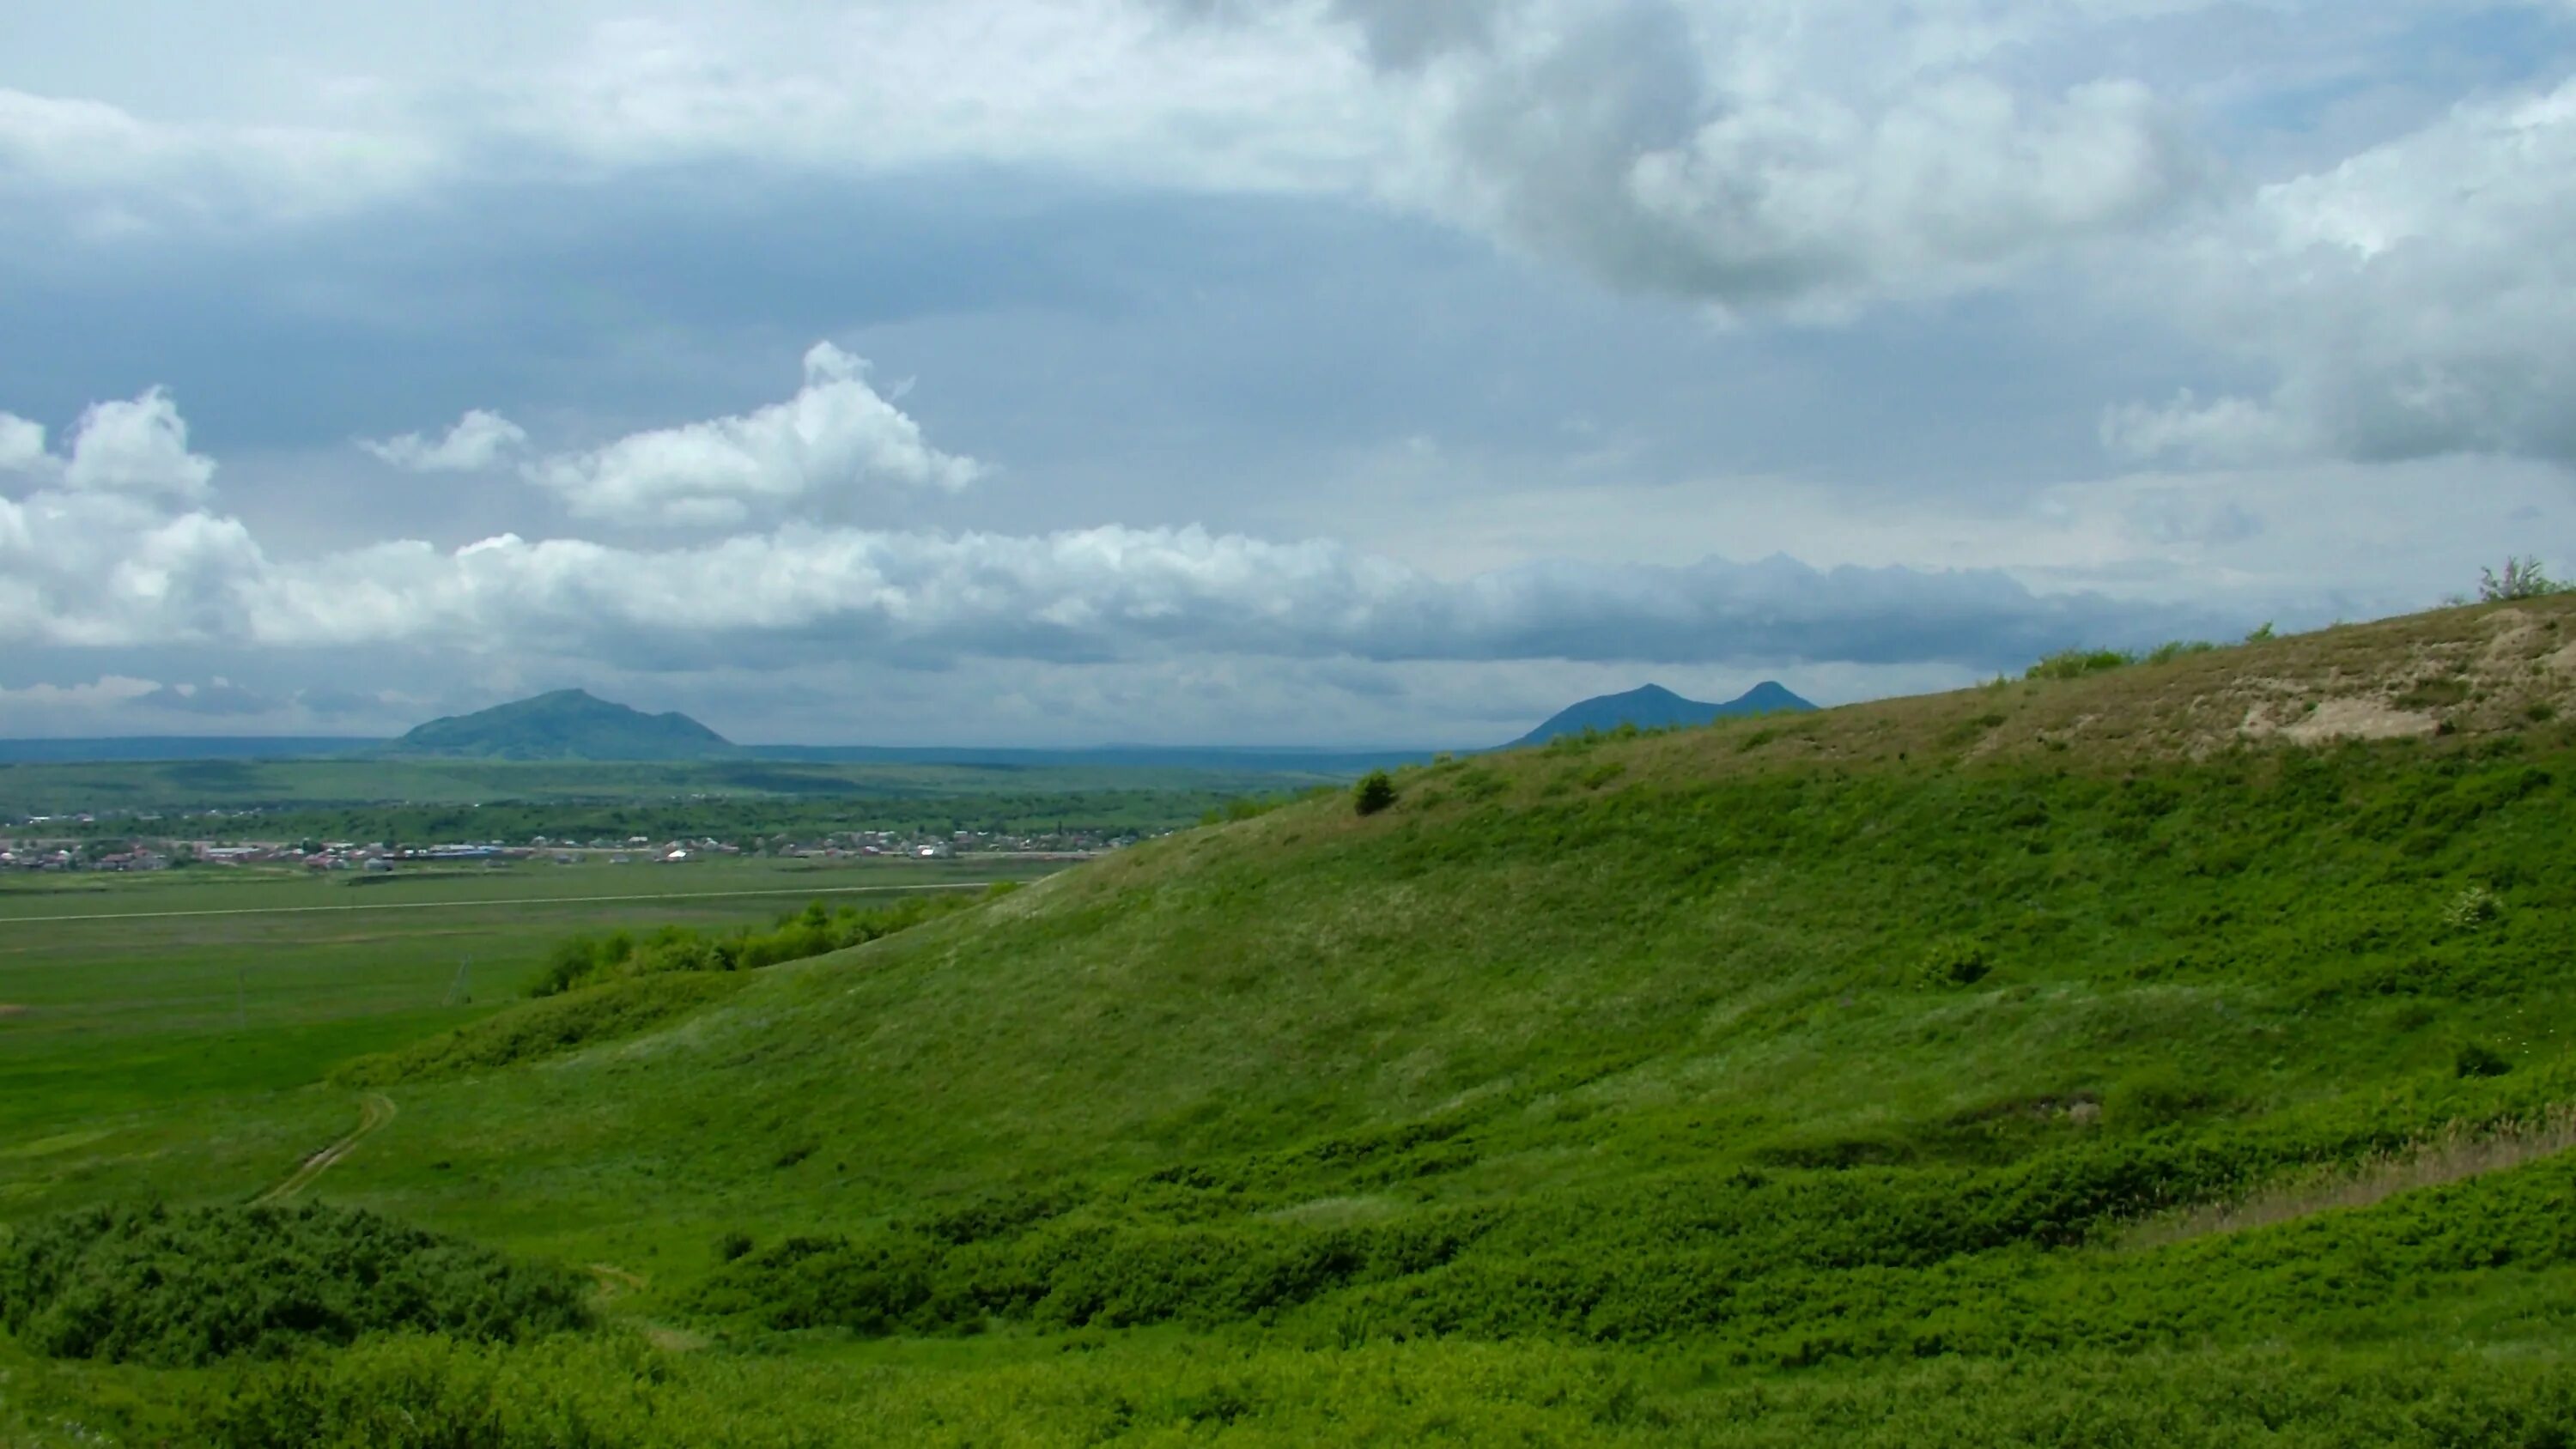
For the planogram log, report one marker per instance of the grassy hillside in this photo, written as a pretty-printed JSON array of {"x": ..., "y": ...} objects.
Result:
[{"x": 2171, "y": 1054}]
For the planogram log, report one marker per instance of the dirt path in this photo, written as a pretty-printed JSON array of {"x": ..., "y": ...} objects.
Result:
[
  {"x": 374, "y": 1111},
  {"x": 951, "y": 885}
]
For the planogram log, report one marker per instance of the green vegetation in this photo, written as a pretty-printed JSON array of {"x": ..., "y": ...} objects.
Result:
[
  {"x": 551, "y": 1027},
  {"x": 817, "y": 931},
  {"x": 177, "y": 1289},
  {"x": 2522, "y": 578},
  {"x": 169, "y": 1024},
  {"x": 430, "y": 798},
  {"x": 1374, "y": 792},
  {"x": 2075, "y": 1060},
  {"x": 2077, "y": 663}
]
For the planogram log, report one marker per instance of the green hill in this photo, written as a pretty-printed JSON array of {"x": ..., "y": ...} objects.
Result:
[
  {"x": 2173, "y": 1055},
  {"x": 567, "y": 724},
  {"x": 1653, "y": 707}
]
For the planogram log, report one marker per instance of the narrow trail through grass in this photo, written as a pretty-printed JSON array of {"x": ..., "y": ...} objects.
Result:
[{"x": 374, "y": 1111}]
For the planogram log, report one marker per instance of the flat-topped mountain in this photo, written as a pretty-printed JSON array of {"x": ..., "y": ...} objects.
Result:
[
  {"x": 567, "y": 724},
  {"x": 1655, "y": 707}
]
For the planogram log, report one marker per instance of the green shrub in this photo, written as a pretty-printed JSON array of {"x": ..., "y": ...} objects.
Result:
[
  {"x": 1374, "y": 792},
  {"x": 1954, "y": 961},
  {"x": 187, "y": 1287},
  {"x": 814, "y": 931},
  {"x": 2476, "y": 1059},
  {"x": 2473, "y": 907},
  {"x": 2522, "y": 578},
  {"x": 548, "y": 1027},
  {"x": 2077, "y": 663},
  {"x": 2157, "y": 1097},
  {"x": 732, "y": 1245}
]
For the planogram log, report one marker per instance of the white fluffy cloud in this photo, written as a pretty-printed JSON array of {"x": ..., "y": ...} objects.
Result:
[
  {"x": 479, "y": 440},
  {"x": 2415, "y": 300},
  {"x": 1752, "y": 152},
  {"x": 810, "y": 453},
  {"x": 137, "y": 447},
  {"x": 1714, "y": 153},
  {"x": 91, "y": 561},
  {"x": 22, "y": 444}
]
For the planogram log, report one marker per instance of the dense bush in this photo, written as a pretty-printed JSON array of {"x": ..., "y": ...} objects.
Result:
[
  {"x": 1374, "y": 792},
  {"x": 816, "y": 931},
  {"x": 2523, "y": 578},
  {"x": 532, "y": 1030},
  {"x": 427, "y": 1393},
  {"x": 181, "y": 1287}
]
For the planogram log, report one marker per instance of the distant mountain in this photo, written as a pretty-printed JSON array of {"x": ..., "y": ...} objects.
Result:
[
  {"x": 1655, "y": 707},
  {"x": 569, "y": 724}
]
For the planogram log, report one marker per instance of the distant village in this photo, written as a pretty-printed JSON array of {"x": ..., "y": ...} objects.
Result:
[{"x": 34, "y": 848}]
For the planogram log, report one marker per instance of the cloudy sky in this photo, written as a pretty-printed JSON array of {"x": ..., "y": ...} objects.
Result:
[{"x": 1352, "y": 371}]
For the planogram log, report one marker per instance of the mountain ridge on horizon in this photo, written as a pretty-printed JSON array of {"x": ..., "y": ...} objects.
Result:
[
  {"x": 1651, "y": 706},
  {"x": 564, "y": 724}
]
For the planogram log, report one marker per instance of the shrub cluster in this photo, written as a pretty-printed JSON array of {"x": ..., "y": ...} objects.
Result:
[
  {"x": 546, "y": 1027},
  {"x": 1374, "y": 792},
  {"x": 186, "y": 1287},
  {"x": 2077, "y": 663},
  {"x": 816, "y": 931}
]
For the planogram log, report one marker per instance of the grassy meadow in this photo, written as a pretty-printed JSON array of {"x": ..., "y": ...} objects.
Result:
[
  {"x": 2172, "y": 1053},
  {"x": 143, "y": 1017},
  {"x": 366, "y": 783}
]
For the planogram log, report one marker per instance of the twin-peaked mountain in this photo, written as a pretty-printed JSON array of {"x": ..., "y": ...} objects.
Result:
[
  {"x": 573, "y": 724},
  {"x": 1655, "y": 707}
]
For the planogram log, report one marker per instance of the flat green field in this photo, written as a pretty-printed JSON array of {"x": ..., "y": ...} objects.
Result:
[
  {"x": 46, "y": 788},
  {"x": 144, "y": 1017}
]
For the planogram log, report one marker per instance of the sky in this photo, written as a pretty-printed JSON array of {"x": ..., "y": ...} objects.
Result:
[{"x": 1064, "y": 372}]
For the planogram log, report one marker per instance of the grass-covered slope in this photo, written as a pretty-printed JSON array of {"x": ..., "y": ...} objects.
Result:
[{"x": 2176, "y": 1054}]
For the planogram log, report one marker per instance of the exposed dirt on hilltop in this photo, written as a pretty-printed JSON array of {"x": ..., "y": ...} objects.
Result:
[{"x": 2454, "y": 676}]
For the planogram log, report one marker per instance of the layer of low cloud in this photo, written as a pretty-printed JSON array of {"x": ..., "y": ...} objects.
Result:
[{"x": 117, "y": 567}]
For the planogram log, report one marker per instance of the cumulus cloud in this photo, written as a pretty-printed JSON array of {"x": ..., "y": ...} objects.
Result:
[
  {"x": 137, "y": 448},
  {"x": 22, "y": 444},
  {"x": 1705, "y": 156},
  {"x": 479, "y": 440},
  {"x": 835, "y": 436},
  {"x": 2414, "y": 300},
  {"x": 1751, "y": 153}
]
